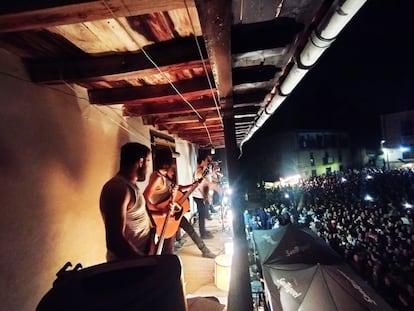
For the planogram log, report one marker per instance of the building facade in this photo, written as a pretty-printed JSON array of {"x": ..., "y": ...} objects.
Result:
[
  {"x": 397, "y": 145},
  {"x": 312, "y": 153}
]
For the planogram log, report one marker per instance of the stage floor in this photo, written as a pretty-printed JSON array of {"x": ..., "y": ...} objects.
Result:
[{"x": 199, "y": 272}]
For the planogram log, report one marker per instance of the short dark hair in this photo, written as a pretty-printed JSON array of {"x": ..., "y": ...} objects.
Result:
[
  {"x": 132, "y": 152},
  {"x": 202, "y": 155},
  {"x": 163, "y": 159}
]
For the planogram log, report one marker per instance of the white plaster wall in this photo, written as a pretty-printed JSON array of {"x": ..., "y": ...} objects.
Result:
[
  {"x": 56, "y": 152},
  {"x": 186, "y": 165}
]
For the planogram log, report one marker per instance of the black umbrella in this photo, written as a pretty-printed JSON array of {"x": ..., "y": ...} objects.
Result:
[
  {"x": 291, "y": 244},
  {"x": 319, "y": 287}
]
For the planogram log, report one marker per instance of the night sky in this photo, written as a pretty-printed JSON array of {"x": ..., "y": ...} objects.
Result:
[{"x": 367, "y": 71}]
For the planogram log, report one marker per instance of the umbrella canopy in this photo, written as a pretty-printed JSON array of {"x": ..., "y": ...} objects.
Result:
[
  {"x": 291, "y": 244},
  {"x": 319, "y": 287}
]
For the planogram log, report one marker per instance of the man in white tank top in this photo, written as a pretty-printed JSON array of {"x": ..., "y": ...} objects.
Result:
[
  {"x": 200, "y": 194},
  {"x": 127, "y": 223}
]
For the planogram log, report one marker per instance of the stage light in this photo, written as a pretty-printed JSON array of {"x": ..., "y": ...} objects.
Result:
[
  {"x": 407, "y": 205},
  {"x": 368, "y": 198}
]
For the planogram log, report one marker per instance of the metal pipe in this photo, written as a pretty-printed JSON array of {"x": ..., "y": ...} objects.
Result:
[{"x": 320, "y": 39}]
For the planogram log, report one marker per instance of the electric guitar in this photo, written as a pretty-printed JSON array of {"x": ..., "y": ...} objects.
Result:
[{"x": 167, "y": 223}]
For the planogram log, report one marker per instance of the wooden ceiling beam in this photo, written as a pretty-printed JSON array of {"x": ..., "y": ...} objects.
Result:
[
  {"x": 243, "y": 124},
  {"x": 249, "y": 110},
  {"x": 169, "y": 108},
  {"x": 244, "y": 37},
  {"x": 260, "y": 57},
  {"x": 191, "y": 135},
  {"x": 256, "y": 95},
  {"x": 183, "y": 54},
  {"x": 254, "y": 74},
  {"x": 189, "y": 118},
  {"x": 190, "y": 126},
  {"x": 213, "y": 132},
  {"x": 246, "y": 118},
  {"x": 191, "y": 88},
  {"x": 242, "y": 130},
  {"x": 29, "y": 14},
  {"x": 197, "y": 125},
  {"x": 116, "y": 98}
]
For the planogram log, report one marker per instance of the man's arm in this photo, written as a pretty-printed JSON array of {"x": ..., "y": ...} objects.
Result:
[{"x": 185, "y": 188}]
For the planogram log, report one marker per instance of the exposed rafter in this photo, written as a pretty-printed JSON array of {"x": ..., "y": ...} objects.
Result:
[{"x": 154, "y": 57}]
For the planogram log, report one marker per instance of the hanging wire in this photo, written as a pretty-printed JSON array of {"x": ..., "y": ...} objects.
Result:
[
  {"x": 118, "y": 123},
  {"x": 159, "y": 69},
  {"x": 81, "y": 98}
]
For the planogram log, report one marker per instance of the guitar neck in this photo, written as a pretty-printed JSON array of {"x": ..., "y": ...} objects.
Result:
[
  {"x": 187, "y": 194},
  {"x": 193, "y": 187}
]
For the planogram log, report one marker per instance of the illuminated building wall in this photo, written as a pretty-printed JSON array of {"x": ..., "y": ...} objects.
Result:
[
  {"x": 312, "y": 153},
  {"x": 398, "y": 138}
]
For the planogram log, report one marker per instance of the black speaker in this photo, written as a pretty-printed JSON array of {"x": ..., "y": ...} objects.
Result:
[{"x": 148, "y": 283}]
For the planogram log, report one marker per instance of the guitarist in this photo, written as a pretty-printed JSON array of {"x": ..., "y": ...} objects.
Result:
[
  {"x": 188, "y": 227},
  {"x": 161, "y": 192}
]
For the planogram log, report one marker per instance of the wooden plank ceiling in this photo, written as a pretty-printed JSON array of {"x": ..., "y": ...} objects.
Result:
[{"x": 178, "y": 64}]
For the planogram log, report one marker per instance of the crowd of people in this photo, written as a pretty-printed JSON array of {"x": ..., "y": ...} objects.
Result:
[{"x": 364, "y": 215}]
